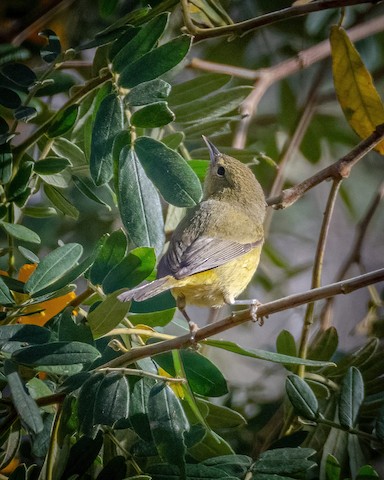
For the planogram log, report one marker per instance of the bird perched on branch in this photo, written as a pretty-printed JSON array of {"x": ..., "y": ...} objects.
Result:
[{"x": 215, "y": 250}]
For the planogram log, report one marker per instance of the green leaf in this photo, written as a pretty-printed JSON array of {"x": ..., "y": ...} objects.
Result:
[
  {"x": 20, "y": 232},
  {"x": 19, "y": 73},
  {"x": 110, "y": 255},
  {"x": 56, "y": 354},
  {"x": 148, "y": 92},
  {"x": 285, "y": 344},
  {"x": 142, "y": 43},
  {"x": 170, "y": 173},
  {"x": 139, "y": 203},
  {"x": 168, "y": 424},
  {"x": 197, "y": 88},
  {"x": 39, "y": 212},
  {"x": 153, "y": 319},
  {"x": 139, "y": 407},
  {"x": 108, "y": 123},
  {"x": 161, "y": 302},
  {"x": 265, "y": 355},
  {"x": 64, "y": 148},
  {"x": 19, "y": 183},
  {"x": 5, "y": 296},
  {"x": 367, "y": 473},
  {"x": 26, "y": 334},
  {"x": 219, "y": 416},
  {"x": 86, "y": 186},
  {"x": 155, "y": 63},
  {"x": 131, "y": 271},
  {"x": 198, "y": 471},
  {"x": 53, "y": 266},
  {"x": 106, "y": 316},
  {"x": 357, "y": 95},
  {"x": 81, "y": 456},
  {"x": 173, "y": 140},
  {"x": 50, "y": 52},
  {"x": 26, "y": 407},
  {"x": 209, "y": 128},
  {"x": 235, "y": 466},
  {"x": 63, "y": 122},
  {"x": 216, "y": 105},
  {"x": 324, "y": 345},
  {"x": 61, "y": 202},
  {"x": 51, "y": 165},
  {"x": 332, "y": 468},
  {"x": 5, "y": 163},
  {"x": 302, "y": 398},
  {"x": 351, "y": 397},
  {"x": 203, "y": 376},
  {"x": 107, "y": 7},
  {"x": 153, "y": 116},
  {"x": 9, "y": 98},
  {"x": 294, "y": 462},
  {"x": 112, "y": 400}
]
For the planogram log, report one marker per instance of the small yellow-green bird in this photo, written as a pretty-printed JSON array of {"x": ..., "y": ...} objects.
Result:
[{"x": 215, "y": 249}]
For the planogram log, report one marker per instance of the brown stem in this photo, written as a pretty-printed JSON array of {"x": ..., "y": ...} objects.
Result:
[
  {"x": 241, "y": 28},
  {"x": 338, "y": 170},
  {"x": 355, "y": 252},
  {"x": 317, "y": 271},
  {"x": 291, "y": 301}
]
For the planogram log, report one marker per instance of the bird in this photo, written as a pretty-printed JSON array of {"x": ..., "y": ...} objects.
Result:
[{"x": 215, "y": 249}]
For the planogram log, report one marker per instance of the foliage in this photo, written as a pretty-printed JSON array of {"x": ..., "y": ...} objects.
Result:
[{"x": 125, "y": 143}]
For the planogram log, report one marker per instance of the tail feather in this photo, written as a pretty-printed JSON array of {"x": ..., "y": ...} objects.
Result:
[{"x": 149, "y": 290}]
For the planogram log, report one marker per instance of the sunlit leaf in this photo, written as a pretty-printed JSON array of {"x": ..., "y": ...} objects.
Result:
[
  {"x": 171, "y": 174},
  {"x": 357, "y": 95},
  {"x": 20, "y": 232}
]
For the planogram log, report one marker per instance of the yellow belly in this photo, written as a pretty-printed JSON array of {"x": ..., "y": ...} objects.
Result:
[{"x": 220, "y": 285}]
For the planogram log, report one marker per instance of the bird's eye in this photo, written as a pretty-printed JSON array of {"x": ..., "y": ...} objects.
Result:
[{"x": 221, "y": 171}]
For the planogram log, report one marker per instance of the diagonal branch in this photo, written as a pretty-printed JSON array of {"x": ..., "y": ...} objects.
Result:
[
  {"x": 242, "y": 28},
  {"x": 338, "y": 170},
  {"x": 285, "y": 303}
]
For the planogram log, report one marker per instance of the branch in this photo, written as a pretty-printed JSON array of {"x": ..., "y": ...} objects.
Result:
[
  {"x": 338, "y": 170},
  {"x": 247, "y": 26},
  {"x": 285, "y": 303}
]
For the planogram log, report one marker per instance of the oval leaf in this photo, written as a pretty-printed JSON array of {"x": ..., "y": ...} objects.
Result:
[
  {"x": 141, "y": 43},
  {"x": 55, "y": 265},
  {"x": 112, "y": 400},
  {"x": 108, "y": 123},
  {"x": 171, "y": 174},
  {"x": 152, "y": 116},
  {"x": 51, "y": 165},
  {"x": 139, "y": 203},
  {"x": 109, "y": 256},
  {"x": 357, "y": 95},
  {"x": 106, "y": 316},
  {"x": 155, "y": 63},
  {"x": 63, "y": 122},
  {"x": 168, "y": 424},
  {"x": 148, "y": 92},
  {"x": 56, "y": 353},
  {"x": 131, "y": 271},
  {"x": 351, "y": 397},
  {"x": 20, "y": 232},
  {"x": 302, "y": 398}
]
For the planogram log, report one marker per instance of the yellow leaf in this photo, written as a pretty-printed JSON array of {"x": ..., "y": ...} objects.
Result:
[{"x": 357, "y": 95}]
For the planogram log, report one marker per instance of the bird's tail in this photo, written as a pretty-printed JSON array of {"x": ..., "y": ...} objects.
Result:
[{"x": 147, "y": 291}]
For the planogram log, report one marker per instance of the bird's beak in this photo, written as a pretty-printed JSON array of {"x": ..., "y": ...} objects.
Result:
[{"x": 213, "y": 151}]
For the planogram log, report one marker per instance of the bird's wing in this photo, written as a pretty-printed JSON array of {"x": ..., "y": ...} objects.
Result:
[{"x": 204, "y": 253}]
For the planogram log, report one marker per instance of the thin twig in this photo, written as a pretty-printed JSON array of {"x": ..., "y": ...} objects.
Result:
[
  {"x": 266, "y": 77},
  {"x": 285, "y": 303},
  {"x": 293, "y": 143},
  {"x": 355, "y": 252},
  {"x": 317, "y": 271},
  {"x": 141, "y": 373},
  {"x": 242, "y": 28},
  {"x": 340, "y": 169}
]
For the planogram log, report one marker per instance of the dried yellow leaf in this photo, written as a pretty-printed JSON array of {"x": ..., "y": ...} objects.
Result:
[{"x": 357, "y": 95}]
